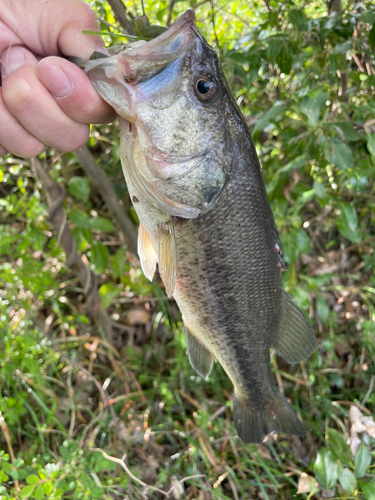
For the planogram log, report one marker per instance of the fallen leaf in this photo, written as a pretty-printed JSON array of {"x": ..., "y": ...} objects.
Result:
[
  {"x": 354, "y": 445},
  {"x": 177, "y": 488},
  {"x": 137, "y": 317},
  {"x": 306, "y": 484}
]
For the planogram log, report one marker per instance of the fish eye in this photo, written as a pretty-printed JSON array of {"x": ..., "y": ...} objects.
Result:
[{"x": 204, "y": 88}]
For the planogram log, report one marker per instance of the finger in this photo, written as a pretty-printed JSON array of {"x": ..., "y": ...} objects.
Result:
[
  {"x": 3, "y": 151},
  {"x": 29, "y": 21},
  {"x": 73, "y": 91},
  {"x": 14, "y": 138},
  {"x": 37, "y": 111}
]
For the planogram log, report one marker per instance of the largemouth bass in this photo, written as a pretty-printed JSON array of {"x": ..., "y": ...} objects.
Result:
[{"x": 196, "y": 184}]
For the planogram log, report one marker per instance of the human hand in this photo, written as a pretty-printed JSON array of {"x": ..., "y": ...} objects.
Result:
[{"x": 45, "y": 99}]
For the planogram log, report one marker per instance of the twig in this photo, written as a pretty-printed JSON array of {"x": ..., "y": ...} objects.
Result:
[
  {"x": 356, "y": 245},
  {"x": 120, "y": 13},
  {"x": 368, "y": 393},
  {"x": 191, "y": 400},
  {"x": 104, "y": 186},
  {"x": 171, "y": 5},
  {"x": 5, "y": 430},
  {"x": 351, "y": 403},
  {"x": 233, "y": 488},
  {"x": 120, "y": 462},
  {"x": 189, "y": 477}
]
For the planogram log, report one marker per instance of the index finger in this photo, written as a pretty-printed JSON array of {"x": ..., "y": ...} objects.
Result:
[{"x": 51, "y": 27}]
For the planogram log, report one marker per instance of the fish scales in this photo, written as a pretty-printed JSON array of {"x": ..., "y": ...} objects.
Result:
[
  {"x": 195, "y": 181},
  {"x": 228, "y": 284}
]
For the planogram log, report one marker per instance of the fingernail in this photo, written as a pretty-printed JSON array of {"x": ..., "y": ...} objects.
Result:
[
  {"x": 12, "y": 60},
  {"x": 102, "y": 49},
  {"x": 55, "y": 80}
]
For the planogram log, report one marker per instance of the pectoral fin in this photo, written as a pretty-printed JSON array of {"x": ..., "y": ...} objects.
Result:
[
  {"x": 168, "y": 257},
  {"x": 200, "y": 358},
  {"x": 147, "y": 254},
  {"x": 296, "y": 339}
]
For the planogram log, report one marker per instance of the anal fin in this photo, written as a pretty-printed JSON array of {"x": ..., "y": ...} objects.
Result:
[
  {"x": 168, "y": 257},
  {"x": 200, "y": 358},
  {"x": 296, "y": 339},
  {"x": 146, "y": 252}
]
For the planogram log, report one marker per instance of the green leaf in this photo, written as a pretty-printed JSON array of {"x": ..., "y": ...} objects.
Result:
[
  {"x": 99, "y": 256},
  {"x": 268, "y": 117},
  {"x": 338, "y": 62},
  {"x": 319, "y": 190},
  {"x": 3, "y": 477},
  {"x": 273, "y": 50},
  {"x": 119, "y": 263},
  {"x": 371, "y": 37},
  {"x": 294, "y": 164},
  {"x": 371, "y": 145},
  {"x": 14, "y": 474},
  {"x": 27, "y": 491},
  {"x": 79, "y": 187},
  {"x": 362, "y": 461},
  {"x": 322, "y": 308},
  {"x": 297, "y": 18},
  {"x": 367, "y": 16},
  {"x": 341, "y": 155},
  {"x": 102, "y": 224},
  {"x": 312, "y": 105},
  {"x": 347, "y": 223},
  {"x": 18, "y": 462},
  {"x": 108, "y": 293},
  {"x": 32, "y": 479},
  {"x": 347, "y": 130},
  {"x": 97, "y": 492},
  {"x": 368, "y": 490},
  {"x": 80, "y": 218},
  {"x": 284, "y": 59},
  {"x": 342, "y": 48},
  {"x": 338, "y": 445},
  {"x": 326, "y": 469},
  {"x": 348, "y": 481},
  {"x": 39, "y": 492},
  {"x": 48, "y": 487},
  {"x": 295, "y": 242}
]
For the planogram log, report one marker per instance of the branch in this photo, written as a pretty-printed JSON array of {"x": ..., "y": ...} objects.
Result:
[
  {"x": 104, "y": 186},
  {"x": 65, "y": 238},
  {"x": 119, "y": 10}
]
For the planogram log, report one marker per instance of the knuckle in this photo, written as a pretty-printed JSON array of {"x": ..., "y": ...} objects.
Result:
[
  {"x": 31, "y": 150},
  {"x": 18, "y": 94},
  {"x": 73, "y": 139}
]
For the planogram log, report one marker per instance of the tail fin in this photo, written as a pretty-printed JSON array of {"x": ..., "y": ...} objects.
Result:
[{"x": 254, "y": 423}]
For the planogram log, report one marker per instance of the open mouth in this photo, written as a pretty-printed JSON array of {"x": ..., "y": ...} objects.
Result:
[{"x": 140, "y": 61}]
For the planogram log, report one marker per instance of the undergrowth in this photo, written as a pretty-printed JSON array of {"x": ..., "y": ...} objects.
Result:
[{"x": 87, "y": 416}]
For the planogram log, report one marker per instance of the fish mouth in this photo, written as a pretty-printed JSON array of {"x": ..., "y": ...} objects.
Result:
[{"x": 141, "y": 60}]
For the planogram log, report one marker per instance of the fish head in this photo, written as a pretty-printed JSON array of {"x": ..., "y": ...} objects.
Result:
[{"x": 172, "y": 89}]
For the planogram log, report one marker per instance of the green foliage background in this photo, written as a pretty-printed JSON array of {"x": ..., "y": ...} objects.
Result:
[{"x": 304, "y": 78}]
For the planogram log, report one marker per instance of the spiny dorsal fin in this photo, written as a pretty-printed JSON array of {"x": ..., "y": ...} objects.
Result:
[
  {"x": 296, "y": 339},
  {"x": 146, "y": 252},
  {"x": 200, "y": 358},
  {"x": 168, "y": 257}
]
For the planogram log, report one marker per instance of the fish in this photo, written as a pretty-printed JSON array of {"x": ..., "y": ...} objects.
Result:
[{"x": 195, "y": 181}]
